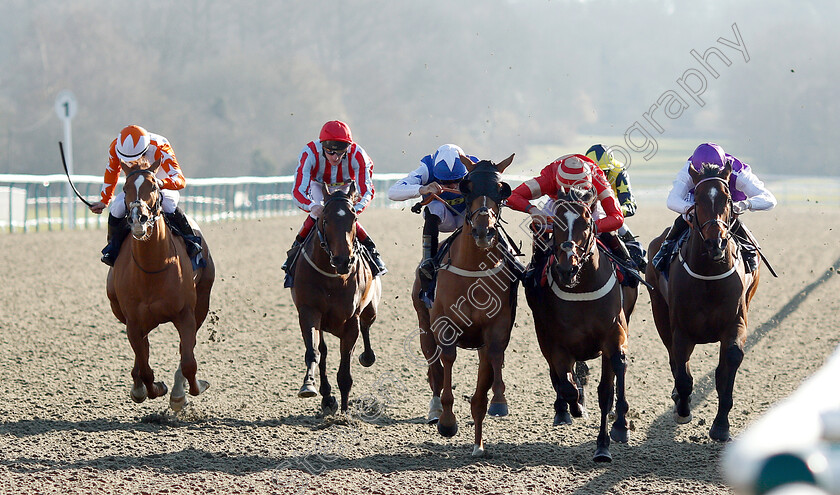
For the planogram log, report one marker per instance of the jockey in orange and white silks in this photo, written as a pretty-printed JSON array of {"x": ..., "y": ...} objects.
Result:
[
  {"x": 333, "y": 159},
  {"x": 133, "y": 144}
]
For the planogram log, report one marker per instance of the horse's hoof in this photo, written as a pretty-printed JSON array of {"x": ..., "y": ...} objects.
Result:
[
  {"x": 681, "y": 420},
  {"x": 138, "y": 394},
  {"x": 329, "y": 405},
  {"x": 435, "y": 410},
  {"x": 367, "y": 360},
  {"x": 478, "y": 451},
  {"x": 562, "y": 419},
  {"x": 619, "y": 434},
  {"x": 602, "y": 454},
  {"x": 447, "y": 431},
  {"x": 202, "y": 386},
  {"x": 177, "y": 403},
  {"x": 163, "y": 389},
  {"x": 498, "y": 409},
  {"x": 308, "y": 390},
  {"x": 719, "y": 434}
]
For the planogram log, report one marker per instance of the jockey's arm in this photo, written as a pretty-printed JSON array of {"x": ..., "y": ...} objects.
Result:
[
  {"x": 679, "y": 199},
  {"x": 624, "y": 194},
  {"x": 409, "y": 186},
  {"x": 613, "y": 219},
  {"x": 303, "y": 176},
  {"x": 364, "y": 178},
  {"x": 759, "y": 198},
  {"x": 520, "y": 198},
  {"x": 174, "y": 179}
]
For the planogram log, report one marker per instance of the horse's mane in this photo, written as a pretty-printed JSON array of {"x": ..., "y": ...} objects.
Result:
[{"x": 710, "y": 170}]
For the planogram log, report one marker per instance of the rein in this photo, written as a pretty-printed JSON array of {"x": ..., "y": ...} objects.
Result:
[
  {"x": 324, "y": 242},
  {"x": 156, "y": 211},
  {"x": 725, "y": 225}
]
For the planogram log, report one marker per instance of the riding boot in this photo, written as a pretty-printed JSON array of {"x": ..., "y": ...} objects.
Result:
[
  {"x": 117, "y": 230},
  {"x": 617, "y": 247},
  {"x": 379, "y": 265},
  {"x": 427, "y": 267},
  {"x": 663, "y": 257},
  {"x": 637, "y": 252},
  {"x": 179, "y": 220},
  {"x": 538, "y": 258},
  {"x": 292, "y": 253}
]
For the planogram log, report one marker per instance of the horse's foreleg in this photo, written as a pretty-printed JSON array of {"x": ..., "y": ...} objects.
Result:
[
  {"x": 618, "y": 362},
  {"x": 447, "y": 424},
  {"x": 478, "y": 402},
  {"x": 561, "y": 408},
  {"x": 683, "y": 381},
  {"x": 142, "y": 374},
  {"x": 328, "y": 403},
  {"x": 731, "y": 355},
  {"x": 348, "y": 342},
  {"x": 309, "y": 332},
  {"x": 605, "y": 403}
]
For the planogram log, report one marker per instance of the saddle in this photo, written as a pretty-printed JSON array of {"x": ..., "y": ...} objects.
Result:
[
  {"x": 193, "y": 243},
  {"x": 294, "y": 254}
]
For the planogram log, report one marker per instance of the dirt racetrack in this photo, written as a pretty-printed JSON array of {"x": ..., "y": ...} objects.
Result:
[{"x": 67, "y": 424}]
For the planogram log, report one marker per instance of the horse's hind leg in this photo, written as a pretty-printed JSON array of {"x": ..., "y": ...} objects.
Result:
[
  {"x": 328, "y": 402},
  {"x": 605, "y": 403},
  {"x": 311, "y": 356},
  {"x": 367, "y": 357},
  {"x": 142, "y": 373},
  {"x": 731, "y": 355},
  {"x": 189, "y": 367},
  {"x": 431, "y": 352},
  {"x": 618, "y": 362}
]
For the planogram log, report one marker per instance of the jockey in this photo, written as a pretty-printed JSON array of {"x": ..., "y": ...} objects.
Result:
[
  {"x": 135, "y": 144},
  {"x": 578, "y": 171},
  {"x": 747, "y": 190},
  {"x": 620, "y": 183},
  {"x": 333, "y": 159},
  {"x": 442, "y": 169}
]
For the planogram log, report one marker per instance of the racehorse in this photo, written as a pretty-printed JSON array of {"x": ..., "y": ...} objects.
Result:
[
  {"x": 581, "y": 312},
  {"x": 474, "y": 304},
  {"x": 334, "y": 292},
  {"x": 706, "y": 296},
  {"x": 153, "y": 282}
]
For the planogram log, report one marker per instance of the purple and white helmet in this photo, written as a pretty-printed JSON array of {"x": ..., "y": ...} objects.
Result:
[{"x": 707, "y": 153}]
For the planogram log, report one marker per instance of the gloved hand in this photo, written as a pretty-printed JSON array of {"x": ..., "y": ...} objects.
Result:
[
  {"x": 317, "y": 210},
  {"x": 538, "y": 217},
  {"x": 432, "y": 187},
  {"x": 740, "y": 207},
  {"x": 628, "y": 210}
]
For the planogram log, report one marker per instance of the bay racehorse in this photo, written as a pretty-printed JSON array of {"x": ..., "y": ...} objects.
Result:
[
  {"x": 582, "y": 312},
  {"x": 706, "y": 296},
  {"x": 334, "y": 292},
  {"x": 153, "y": 282},
  {"x": 474, "y": 304}
]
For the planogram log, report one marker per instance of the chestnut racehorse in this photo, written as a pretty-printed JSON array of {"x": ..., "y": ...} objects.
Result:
[
  {"x": 474, "y": 304},
  {"x": 153, "y": 282},
  {"x": 580, "y": 313},
  {"x": 706, "y": 297},
  {"x": 334, "y": 292}
]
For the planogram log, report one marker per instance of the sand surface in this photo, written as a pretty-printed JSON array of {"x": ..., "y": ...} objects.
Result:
[{"x": 67, "y": 424}]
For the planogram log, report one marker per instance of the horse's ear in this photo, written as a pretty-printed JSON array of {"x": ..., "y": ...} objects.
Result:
[
  {"x": 504, "y": 191},
  {"x": 325, "y": 190},
  {"x": 467, "y": 163},
  {"x": 126, "y": 167},
  {"x": 465, "y": 186},
  {"x": 695, "y": 175},
  {"x": 501, "y": 166},
  {"x": 727, "y": 170},
  {"x": 351, "y": 191},
  {"x": 154, "y": 167}
]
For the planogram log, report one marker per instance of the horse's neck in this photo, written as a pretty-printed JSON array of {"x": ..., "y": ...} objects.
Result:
[
  {"x": 596, "y": 271},
  {"x": 157, "y": 249},
  {"x": 465, "y": 254}
]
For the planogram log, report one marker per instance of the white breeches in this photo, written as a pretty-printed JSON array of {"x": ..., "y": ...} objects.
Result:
[{"x": 169, "y": 201}]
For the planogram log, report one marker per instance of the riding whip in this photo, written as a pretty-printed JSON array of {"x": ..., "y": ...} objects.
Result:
[
  {"x": 67, "y": 172},
  {"x": 632, "y": 271}
]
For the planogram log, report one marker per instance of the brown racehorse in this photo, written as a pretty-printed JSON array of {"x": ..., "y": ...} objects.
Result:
[
  {"x": 582, "y": 312},
  {"x": 334, "y": 292},
  {"x": 153, "y": 282},
  {"x": 705, "y": 298},
  {"x": 474, "y": 305}
]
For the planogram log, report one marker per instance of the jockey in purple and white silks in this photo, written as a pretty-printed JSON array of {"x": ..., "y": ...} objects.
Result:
[{"x": 747, "y": 190}]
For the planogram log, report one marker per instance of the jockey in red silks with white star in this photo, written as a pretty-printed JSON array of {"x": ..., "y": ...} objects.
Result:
[
  {"x": 572, "y": 170},
  {"x": 333, "y": 159}
]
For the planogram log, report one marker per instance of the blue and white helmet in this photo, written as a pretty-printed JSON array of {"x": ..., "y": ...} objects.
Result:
[{"x": 448, "y": 166}]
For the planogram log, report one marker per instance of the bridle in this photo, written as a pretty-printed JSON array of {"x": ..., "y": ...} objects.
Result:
[
  {"x": 725, "y": 225},
  {"x": 584, "y": 251},
  {"x": 322, "y": 233},
  {"x": 493, "y": 213},
  {"x": 155, "y": 211}
]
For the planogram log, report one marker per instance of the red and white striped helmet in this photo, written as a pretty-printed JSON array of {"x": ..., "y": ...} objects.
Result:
[
  {"x": 574, "y": 171},
  {"x": 132, "y": 142}
]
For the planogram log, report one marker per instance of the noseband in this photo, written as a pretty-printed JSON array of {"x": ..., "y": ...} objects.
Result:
[{"x": 138, "y": 203}]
